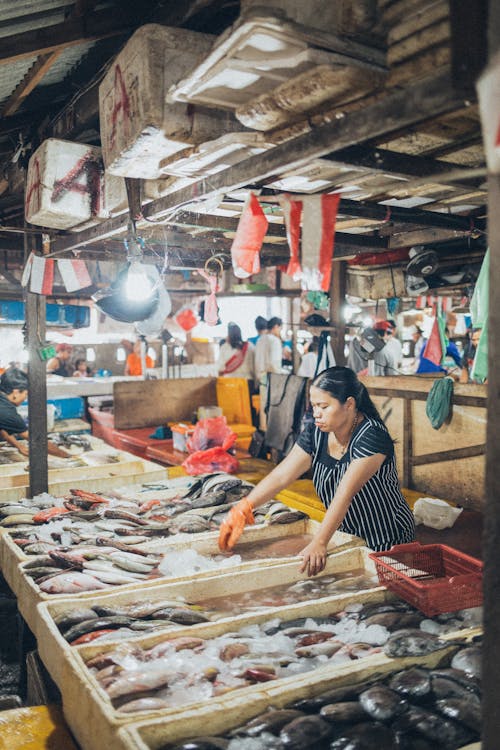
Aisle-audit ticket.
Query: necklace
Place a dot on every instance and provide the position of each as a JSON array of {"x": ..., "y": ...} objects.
[{"x": 343, "y": 447}]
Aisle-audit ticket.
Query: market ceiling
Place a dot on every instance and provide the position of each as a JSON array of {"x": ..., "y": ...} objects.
[{"x": 406, "y": 155}]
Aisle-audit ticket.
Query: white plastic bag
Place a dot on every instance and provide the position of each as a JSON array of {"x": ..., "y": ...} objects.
[{"x": 437, "y": 514}]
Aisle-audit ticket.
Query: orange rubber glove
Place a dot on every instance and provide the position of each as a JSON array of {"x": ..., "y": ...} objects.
[{"x": 232, "y": 527}]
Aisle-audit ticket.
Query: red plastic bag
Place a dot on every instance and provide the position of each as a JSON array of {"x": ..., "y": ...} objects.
[
  {"x": 211, "y": 433},
  {"x": 207, "y": 462},
  {"x": 186, "y": 319},
  {"x": 250, "y": 233}
]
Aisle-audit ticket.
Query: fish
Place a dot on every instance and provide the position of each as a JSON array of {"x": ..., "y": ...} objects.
[
  {"x": 209, "y": 500},
  {"x": 366, "y": 736},
  {"x": 143, "y": 704},
  {"x": 395, "y": 620},
  {"x": 233, "y": 650},
  {"x": 68, "y": 619},
  {"x": 96, "y": 623},
  {"x": 71, "y": 583},
  {"x": 19, "y": 518},
  {"x": 433, "y": 727},
  {"x": 190, "y": 525},
  {"x": 305, "y": 732},
  {"x": 327, "y": 648},
  {"x": 381, "y": 703},
  {"x": 468, "y": 660},
  {"x": 92, "y": 636},
  {"x": 138, "y": 681},
  {"x": 48, "y": 514},
  {"x": 462, "y": 710},
  {"x": 444, "y": 686},
  {"x": 414, "y": 682},
  {"x": 412, "y": 642},
  {"x": 271, "y": 721},
  {"x": 287, "y": 516},
  {"x": 181, "y": 616},
  {"x": 256, "y": 674},
  {"x": 343, "y": 712}
]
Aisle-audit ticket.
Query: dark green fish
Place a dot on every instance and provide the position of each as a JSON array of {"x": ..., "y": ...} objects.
[
  {"x": 271, "y": 721},
  {"x": 304, "y": 732},
  {"x": 381, "y": 703},
  {"x": 412, "y": 683}
]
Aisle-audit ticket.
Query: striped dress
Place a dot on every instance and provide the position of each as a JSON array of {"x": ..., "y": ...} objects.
[{"x": 378, "y": 513}]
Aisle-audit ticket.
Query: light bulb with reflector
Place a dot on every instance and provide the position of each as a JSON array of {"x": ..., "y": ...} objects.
[{"x": 138, "y": 285}]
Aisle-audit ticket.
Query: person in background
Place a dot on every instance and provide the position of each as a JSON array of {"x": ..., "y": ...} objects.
[
  {"x": 418, "y": 346},
  {"x": 310, "y": 359},
  {"x": 260, "y": 327},
  {"x": 128, "y": 346},
  {"x": 351, "y": 455},
  {"x": 383, "y": 362},
  {"x": 82, "y": 370},
  {"x": 13, "y": 391},
  {"x": 393, "y": 346},
  {"x": 469, "y": 354},
  {"x": 59, "y": 365},
  {"x": 276, "y": 345},
  {"x": 133, "y": 365},
  {"x": 236, "y": 357}
]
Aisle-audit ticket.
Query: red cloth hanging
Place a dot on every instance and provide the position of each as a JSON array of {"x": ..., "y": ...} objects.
[{"x": 252, "y": 228}]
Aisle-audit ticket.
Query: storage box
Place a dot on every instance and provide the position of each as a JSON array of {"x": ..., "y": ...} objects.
[
  {"x": 432, "y": 577},
  {"x": 68, "y": 408},
  {"x": 180, "y": 434},
  {"x": 55, "y": 649},
  {"x": 236, "y": 710},
  {"x": 138, "y": 128},
  {"x": 64, "y": 184}
]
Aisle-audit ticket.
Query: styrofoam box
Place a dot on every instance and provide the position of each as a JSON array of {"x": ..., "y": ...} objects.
[
  {"x": 264, "y": 52},
  {"x": 64, "y": 184},
  {"x": 54, "y": 649},
  {"x": 236, "y": 710},
  {"x": 89, "y": 712},
  {"x": 29, "y": 594},
  {"x": 138, "y": 127}
]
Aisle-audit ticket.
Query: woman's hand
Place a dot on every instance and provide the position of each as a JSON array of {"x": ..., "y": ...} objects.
[{"x": 313, "y": 557}]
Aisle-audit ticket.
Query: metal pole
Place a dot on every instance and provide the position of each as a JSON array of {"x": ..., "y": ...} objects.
[
  {"x": 164, "y": 361},
  {"x": 143, "y": 358}
]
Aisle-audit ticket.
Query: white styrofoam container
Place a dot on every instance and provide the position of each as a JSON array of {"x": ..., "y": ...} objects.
[
  {"x": 54, "y": 649},
  {"x": 270, "y": 71},
  {"x": 138, "y": 127},
  {"x": 211, "y": 157},
  {"x": 64, "y": 186}
]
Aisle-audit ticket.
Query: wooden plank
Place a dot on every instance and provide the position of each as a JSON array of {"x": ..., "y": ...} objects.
[
  {"x": 155, "y": 402},
  {"x": 453, "y": 455},
  {"x": 37, "y": 379},
  {"x": 416, "y": 68},
  {"x": 422, "y": 19},
  {"x": 338, "y": 287},
  {"x": 398, "y": 109},
  {"x": 29, "y": 82},
  {"x": 76, "y": 30},
  {"x": 407, "y": 443},
  {"x": 420, "y": 41}
]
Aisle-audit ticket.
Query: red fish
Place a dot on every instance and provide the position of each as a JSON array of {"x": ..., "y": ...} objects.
[
  {"x": 148, "y": 505},
  {"x": 258, "y": 675},
  {"x": 48, "y": 513},
  {"x": 88, "y": 637},
  {"x": 90, "y": 496}
]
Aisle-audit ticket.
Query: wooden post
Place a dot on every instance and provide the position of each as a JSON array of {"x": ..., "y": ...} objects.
[
  {"x": 337, "y": 301},
  {"x": 491, "y": 538},
  {"x": 37, "y": 394}
]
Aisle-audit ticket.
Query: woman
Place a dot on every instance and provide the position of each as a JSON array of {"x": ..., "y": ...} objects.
[
  {"x": 354, "y": 472},
  {"x": 82, "y": 370},
  {"x": 236, "y": 357}
]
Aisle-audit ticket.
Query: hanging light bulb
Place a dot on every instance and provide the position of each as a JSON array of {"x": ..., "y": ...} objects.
[{"x": 139, "y": 286}]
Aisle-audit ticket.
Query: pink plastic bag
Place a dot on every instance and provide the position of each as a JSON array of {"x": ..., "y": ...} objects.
[
  {"x": 211, "y": 433},
  {"x": 206, "y": 462}
]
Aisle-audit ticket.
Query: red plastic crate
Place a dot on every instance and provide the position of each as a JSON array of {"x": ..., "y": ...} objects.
[{"x": 433, "y": 578}]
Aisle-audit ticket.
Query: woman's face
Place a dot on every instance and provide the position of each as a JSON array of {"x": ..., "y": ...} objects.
[{"x": 329, "y": 414}]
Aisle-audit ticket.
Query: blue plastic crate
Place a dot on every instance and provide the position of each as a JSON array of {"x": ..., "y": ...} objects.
[{"x": 68, "y": 408}]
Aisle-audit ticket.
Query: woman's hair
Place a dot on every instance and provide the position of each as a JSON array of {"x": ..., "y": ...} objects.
[
  {"x": 13, "y": 379},
  {"x": 342, "y": 383},
  {"x": 234, "y": 336}
]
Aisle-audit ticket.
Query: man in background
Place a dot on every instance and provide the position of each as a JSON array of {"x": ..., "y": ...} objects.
[
  {"x": 393, "y": 345},
  {"x": 59, "y": 365}
]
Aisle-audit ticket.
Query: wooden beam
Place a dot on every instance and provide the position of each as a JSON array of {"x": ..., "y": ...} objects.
[
  {"x": 75, "y": 30},
  {"x": 454, "y": 454},
  {"x": 32, "y": 78},
  {"x": 469, "y": 43},
  {"x": 394, "y": 164}
]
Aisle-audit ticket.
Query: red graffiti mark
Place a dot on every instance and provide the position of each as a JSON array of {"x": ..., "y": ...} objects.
[
  {"x": 89, "y": 166},
  {"x": 122, "y": 103},
  {"x": 34, "y": 189}
]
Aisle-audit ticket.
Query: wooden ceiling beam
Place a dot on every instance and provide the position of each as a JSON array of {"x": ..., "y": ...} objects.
[
  {"x": 32, "y": 78},
  {"x": 75, "y": 30}
]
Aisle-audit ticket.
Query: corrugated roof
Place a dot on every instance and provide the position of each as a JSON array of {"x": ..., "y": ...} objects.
[
  {"x": 65, "y": 63},
  {"x": 11, "y": 75}
]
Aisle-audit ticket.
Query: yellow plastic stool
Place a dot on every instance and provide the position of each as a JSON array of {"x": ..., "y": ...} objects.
[{"x": 35, "y": 728}]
